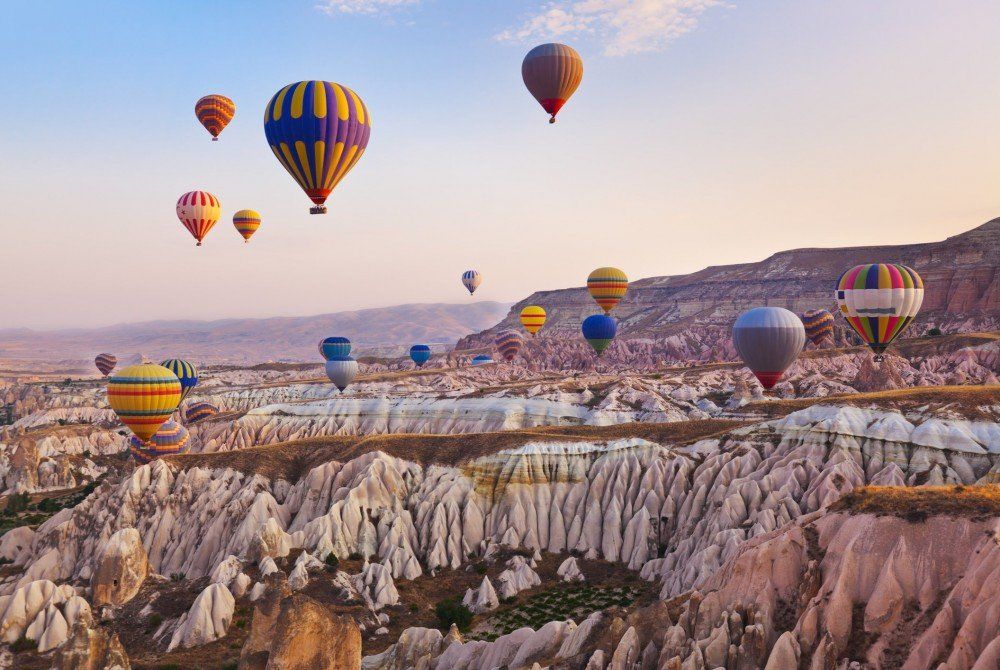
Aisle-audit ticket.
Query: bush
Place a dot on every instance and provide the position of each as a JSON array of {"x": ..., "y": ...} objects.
[
  {"x": 414, "y": 607},
  {"x": 23, "y": 644},
  {"x": 480, "y": 568},
  {"x": 177, "y": 576},
  {"x": 934, "y": 332},
  {"x": 332, "y": 561},
  {"x": 452, "y": 611}
]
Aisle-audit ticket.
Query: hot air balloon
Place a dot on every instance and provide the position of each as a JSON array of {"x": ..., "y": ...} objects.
[
  {"x": 482, "y": 359},
  {"x": 342, "y": 371},
  {"x": 599, "y": 330},
  {"x": 552, "y": 72},
  {"x": 247, "y": 221},
  {"x": 607, "y": 287},
  {"x": 471, "y": 279},
  {"x": 199, "y": 411},
  {"x": 186, "y": 373},
  {"x": 198, "y": 211},
  {"x": 105, "y": 363},
  {"x": 509, "y": 345},
  {"x": 215, "y": 112},
  {"x": 818, "y": 324},
  {"x": 532, "y": 318},
  {"x": 880, "y": 300},
  {"x": 768, "y": 339},
  {"x": 144, "y": 396},
  {"x": 335, "y": 347},
  {"x": 420, "y": 353},
  {"x": 172, "y": 438},
  {"x": 318, "y": 130}
]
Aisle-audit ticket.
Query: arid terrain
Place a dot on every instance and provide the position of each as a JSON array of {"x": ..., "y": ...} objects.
[{"x": 675, "y": 517}]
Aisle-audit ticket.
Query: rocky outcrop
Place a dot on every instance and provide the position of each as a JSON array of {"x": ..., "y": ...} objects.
[
  {"x": 120, "y": 570},
  {"x": 294, "y": 631},
  {"x": 91, "y": 649},
  {"x": 207, "y": 620},
  {"x": 482, "y": 599}
]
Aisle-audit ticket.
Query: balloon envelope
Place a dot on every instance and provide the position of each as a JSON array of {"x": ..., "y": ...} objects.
[
  {"x": 552, "y": 72},
  {"x": 247, "y": 221},
  {"x": 342, "y": 371},
  {"x": 482, "y": 359},
  {"x": 599, "y": 330},
  {"x": 318, "y": 131},
  {"x": 199, "y": 411},
  {"x": 879, "y": 301},
  {"x": 509, "y": 345},
  {"x": 420, "y": 354},
  {"x": 214, "y": 112},
  {"x": 199, "y": 211},
  {"x": 607, "y": 286},
  {"x": 532, "y": 318},
  {"x": 768, "y": 339},
  {"x": 171, "y": 438},
  {"x": 471, "y": 279},
  {"x": 144, "y": 396},
  {"x": 105, "y": 363},
  {"x": 186, "y": 373},
  {"x": 818, "y": 324},
  {"x": 335, "y": 347}
]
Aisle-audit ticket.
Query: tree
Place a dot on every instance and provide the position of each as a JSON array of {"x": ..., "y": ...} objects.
[{"x": 452, "y": 611}]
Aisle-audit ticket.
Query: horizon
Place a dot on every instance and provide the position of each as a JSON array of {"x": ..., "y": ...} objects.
[{"x": 740, "y": 131}]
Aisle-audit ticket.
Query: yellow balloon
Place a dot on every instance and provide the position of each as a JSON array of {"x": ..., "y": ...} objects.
[
  {"x": 144, "y": 396},
  {"x": 532, "y": 318},
  {"x": 607, "y": 287}
]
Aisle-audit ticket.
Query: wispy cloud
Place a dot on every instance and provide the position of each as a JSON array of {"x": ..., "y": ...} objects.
[
  {"x": 623, "y": 26},
  {"x": 365, "y": 7}
]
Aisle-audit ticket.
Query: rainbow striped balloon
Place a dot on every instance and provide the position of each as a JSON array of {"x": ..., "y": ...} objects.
[
  {"x": 818, "y": 324},
  {"x": 509, "y": 345},
  {"x": 199, "y": 211},
  {"x": 172, "y": 438},
  {"x": 607, "y": 287},
  {"x": 247, "y": 221},
  {"x": 879, "y": 300},
  {"x": 144, "y": 396},
  {"x": 318, "y": 131},
  {"x": 532, "y": 318},
  {"x": 199, "y": 411},
  {"x": 214, "y": 112},
  {"x": 186, "y": 373}
]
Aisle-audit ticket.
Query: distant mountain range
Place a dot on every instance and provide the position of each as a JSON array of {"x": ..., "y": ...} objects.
[
  {"x": 689, "y": 317},
  {"x": 387, "y": 331}
]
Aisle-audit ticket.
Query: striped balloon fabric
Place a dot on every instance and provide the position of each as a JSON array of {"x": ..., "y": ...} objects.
[
  {"x": 198, "y": 211},
  {"x": 144, "y": 396},
  {"x": 186, "y": 373},
  {"x": 318, "y": 131},
  {"x": 105, "y": 363},
  {"x": 214, "y": 112},
  {"x": 247, "y": 221},
  {"x": 880, "y": 300},
  {"x": 532, "y": 318},
  {"x": 607, "y": 287},
  {"x": 818, "y": 324},
  {"x": 335, "y": 347},
  {"x": 552, "y": 72},
  {"x": 482, "y": 359},
  {"x": 471, "y": 279},
  {"x": 172, "y": 438},
  {"x": 199, "y": 411},
  {"x": 509, "y": 345}
]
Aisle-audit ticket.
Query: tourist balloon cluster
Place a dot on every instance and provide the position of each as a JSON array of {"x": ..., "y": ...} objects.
[
  {"x": 341, "y": 367},
  {"x": 878, "y": 300}
]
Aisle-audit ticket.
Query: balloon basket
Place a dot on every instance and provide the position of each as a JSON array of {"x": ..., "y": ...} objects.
[
  {"x": 552, "y": 119},
  {"x": 215, "y": 139},
  {"x": 879, "y": 358},
  {"x": 318, "y": 209}
]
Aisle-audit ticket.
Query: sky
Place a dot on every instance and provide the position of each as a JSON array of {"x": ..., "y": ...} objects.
[{"x": 704, "y": 133}]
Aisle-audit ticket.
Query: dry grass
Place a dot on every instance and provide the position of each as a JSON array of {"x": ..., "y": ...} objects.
[
  {"x": 918, "y": 503},
  {"x": 289, "y": 460},
  {"x": 966, "y": 400}
]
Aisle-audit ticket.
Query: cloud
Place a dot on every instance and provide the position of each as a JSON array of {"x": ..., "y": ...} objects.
[
  {"x": 622, "y": 26},
  {"x": 366, "y": 7}
]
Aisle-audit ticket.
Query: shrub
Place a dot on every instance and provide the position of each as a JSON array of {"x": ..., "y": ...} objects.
[
  {"x": 23, "y": 644},
  {"x": 154, "y": 621},
  {"x": 177, "y": 576},
  {"x": 414, "y": 607},
  {"x": 480, "y": 568},
  {"x": 934, "y": 332},
  {"x": 452, "y": 611},
  {"x": 355, "y": 556},
  {"x": 332, "y": 561}
]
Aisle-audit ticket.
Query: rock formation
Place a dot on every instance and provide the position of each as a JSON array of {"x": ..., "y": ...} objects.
[{"x": 120, "y": 570}]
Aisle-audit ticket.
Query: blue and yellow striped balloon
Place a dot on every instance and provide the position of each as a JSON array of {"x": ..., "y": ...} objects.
[
  {"x": 318, "y": 131},
  {"x": 172, "y": 438},
  {"x": 185, "y": 372},
  {"x": 199, "y": 411}
]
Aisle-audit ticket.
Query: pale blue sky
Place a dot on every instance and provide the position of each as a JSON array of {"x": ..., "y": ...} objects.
[{"x": 704, "y": 133}]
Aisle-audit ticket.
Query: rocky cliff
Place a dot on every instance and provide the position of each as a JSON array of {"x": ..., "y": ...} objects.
[{"x": 689, "y": 317}]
